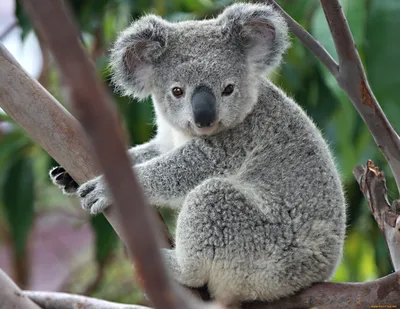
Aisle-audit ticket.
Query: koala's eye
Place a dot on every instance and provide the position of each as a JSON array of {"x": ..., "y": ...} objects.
[
  {"x": 177, "y": 92},
  {"x": 228, "y": 90}
]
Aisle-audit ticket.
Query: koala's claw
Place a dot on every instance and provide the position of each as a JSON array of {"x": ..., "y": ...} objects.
[
  {"x": 63, "y": 180},
  {"x": 86, "y": 190},
  {"x": 56, "y": 171},
  {"x": 94, "y": 196}
]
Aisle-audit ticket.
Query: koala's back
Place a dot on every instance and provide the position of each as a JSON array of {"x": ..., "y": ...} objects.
[{"x": 281, "y": 224}]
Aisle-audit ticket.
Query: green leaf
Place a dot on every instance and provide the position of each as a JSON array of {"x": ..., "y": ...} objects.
[
  {"x": 12, "y": 146},
  {"x": 106, "y": 239},
  {"x": 18, "y": 199}
]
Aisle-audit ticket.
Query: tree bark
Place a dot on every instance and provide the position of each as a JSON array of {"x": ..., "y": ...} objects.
[
  {"x": 96, "y": 111},
  {"x": 11, "y": 297}
]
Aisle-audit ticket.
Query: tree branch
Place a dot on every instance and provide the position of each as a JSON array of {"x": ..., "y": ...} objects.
[
  {"x": 352, "y": 79},
  {"x": 50, "y": 125},
  {"x": 308, "y": 40},
  {"x": 11, "y": 297},
  {"x": 373, "y": 185},
  {"x": 47, "y": 122},
  {"x": 381, "y": 292},
  {"x": 51, "y": 300},
  {"x": 96, "y": 112}
]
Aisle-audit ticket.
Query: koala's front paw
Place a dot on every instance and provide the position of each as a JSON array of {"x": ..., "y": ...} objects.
[
  {"x": 62, "y": 179},
  {"x": 94, "y": 195}
]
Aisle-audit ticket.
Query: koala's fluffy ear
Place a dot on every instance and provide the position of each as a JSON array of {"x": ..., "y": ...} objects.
[
  {"x": 134, "y": 53},
  {"x": 260, "y": 30}
]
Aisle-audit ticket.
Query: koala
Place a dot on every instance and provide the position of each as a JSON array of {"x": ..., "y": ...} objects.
[{"x": 261, "y": 209}]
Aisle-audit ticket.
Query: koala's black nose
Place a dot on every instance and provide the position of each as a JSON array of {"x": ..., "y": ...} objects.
[{"x": 204, "y": 107}]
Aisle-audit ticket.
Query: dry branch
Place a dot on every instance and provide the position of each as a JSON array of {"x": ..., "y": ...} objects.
[
  {"x": 11, "y": 297},
  {"x": 96, "y": 112},
  {"x": 351, "y": 77},
  {"x": 373, "y": 185}
]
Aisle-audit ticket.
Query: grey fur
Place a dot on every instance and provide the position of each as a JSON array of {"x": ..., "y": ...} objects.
[{"x": 261, "y": 207}]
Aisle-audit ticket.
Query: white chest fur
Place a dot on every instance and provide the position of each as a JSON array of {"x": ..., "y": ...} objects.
[{"x": 168, "y": 137}]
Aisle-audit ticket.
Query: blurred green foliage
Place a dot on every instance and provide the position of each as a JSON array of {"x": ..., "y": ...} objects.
[{"x": 23, "y": 166}]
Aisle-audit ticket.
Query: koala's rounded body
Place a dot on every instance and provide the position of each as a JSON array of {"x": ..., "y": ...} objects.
[{"x": 261, "y": 207}]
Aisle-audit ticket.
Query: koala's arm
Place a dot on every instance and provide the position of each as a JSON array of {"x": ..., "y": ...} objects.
[
  {"x": 144, "y": 152},
  {"x": 168, "y": 178},
  {"x": 165, "y": 179},
  {"x": 138, "y": 154}
]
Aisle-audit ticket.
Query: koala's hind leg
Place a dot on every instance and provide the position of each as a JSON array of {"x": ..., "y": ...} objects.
[
  {"x": 215, "y": 237},
  {"x": 186, "y": 272}
]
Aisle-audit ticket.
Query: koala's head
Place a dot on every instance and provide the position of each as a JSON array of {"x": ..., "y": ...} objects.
[{"x": 204, "y": 76}]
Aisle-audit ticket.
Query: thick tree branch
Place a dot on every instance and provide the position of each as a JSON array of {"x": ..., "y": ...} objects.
[
  {"x": 11, "y": 297},
  {"x": 49, "y": 124},
  {"x": 378, "y": 293},
  {"x": 96, "y": 112},
  {"x": 352, "y": 79},
  {"x": 373, "y": 185},
  {"x": 52, "y": 127},
  {"x": 374, "y": 294}
]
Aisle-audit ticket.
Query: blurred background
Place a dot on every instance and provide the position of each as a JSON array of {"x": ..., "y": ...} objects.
[{"x": 47, "y": 242}]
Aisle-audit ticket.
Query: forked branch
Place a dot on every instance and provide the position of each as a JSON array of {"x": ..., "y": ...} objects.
[{"x": 351, "y": 77}]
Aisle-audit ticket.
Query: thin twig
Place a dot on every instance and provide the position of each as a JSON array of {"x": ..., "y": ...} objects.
[
  {"x": 308, "y": 40},
  {"x": 96, "y": 112}
]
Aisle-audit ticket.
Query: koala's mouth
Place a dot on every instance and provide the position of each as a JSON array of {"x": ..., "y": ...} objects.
[{"x": 207, "y": 130}]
